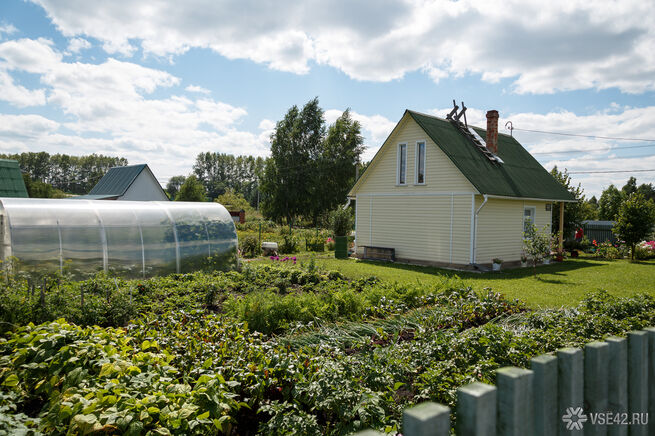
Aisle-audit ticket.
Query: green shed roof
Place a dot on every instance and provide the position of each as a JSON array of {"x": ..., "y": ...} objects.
[
  {"x": 11, "y": 180},
  {"x": 519, "y": 176},
  {"x": 117, "y": 180}
]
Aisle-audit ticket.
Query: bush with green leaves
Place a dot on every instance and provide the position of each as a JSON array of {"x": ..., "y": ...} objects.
[
  {"x": 341, "y": 221},
  {"x": 250, "y": 246}
]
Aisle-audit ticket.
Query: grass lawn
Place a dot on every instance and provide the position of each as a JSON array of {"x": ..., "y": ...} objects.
[{"x": 559, "y": 284}]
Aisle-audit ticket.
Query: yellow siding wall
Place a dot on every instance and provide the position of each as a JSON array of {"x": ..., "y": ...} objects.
[
  {"x": 417, "y": 227},
  {"x": 441, "y": 175},
  {"x": 500, "y": 228}
]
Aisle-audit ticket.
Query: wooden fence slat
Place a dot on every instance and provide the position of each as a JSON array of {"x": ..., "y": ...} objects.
[
  {"x": 617, "y": 388},
  {"x": 426, "y": 419},
  {"x": 545, "y": 414},
  {"x": 637, "y": 379},
  {"x": 514, "y": 407},
  {"x": 570, "y": 383},
  {"x": 596, "y": 355},
  {"x": 476, "y": 410},
  {"x": 651, "y": 379}
]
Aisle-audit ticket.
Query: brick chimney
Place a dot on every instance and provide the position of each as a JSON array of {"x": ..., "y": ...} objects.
[{"x": 492, "y": 131}]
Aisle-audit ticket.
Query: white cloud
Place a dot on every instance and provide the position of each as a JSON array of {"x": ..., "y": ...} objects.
[
  {"x": 7, "y": 29},
  {"x": 198, "y": 89},
  {"x": 25, "y": 126},
  {"x": 541, "y": 46},
  {"x": 110, "y": 109},
  {"x": 18, "y": 95},
  {"x": 75, "y": 45}
]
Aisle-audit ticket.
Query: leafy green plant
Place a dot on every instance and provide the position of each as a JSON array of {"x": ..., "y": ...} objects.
[
  {"x": 341, "y": 221},
  {"x": 289, "y": 244},
  {"x": 635, "y": 220},
  {"x": 250, "y": 246},
  {"x": 536, "y": 244}
]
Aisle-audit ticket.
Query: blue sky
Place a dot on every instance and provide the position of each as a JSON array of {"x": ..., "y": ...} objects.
[{"x": 160, "y": 81}]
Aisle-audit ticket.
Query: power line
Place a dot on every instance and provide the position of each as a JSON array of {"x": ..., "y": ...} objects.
[
  {"x": 617, "y": 138},
  {"x": 592, "y": 149},
  {"x": 609, "y": 171}
]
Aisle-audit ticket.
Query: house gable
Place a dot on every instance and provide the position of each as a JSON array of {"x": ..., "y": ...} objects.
[
  {"x": 441, "y": 175},
  {"x": 145, "y": 187}
]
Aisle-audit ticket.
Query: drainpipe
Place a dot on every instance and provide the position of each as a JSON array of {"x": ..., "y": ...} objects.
[{"x": 475, "y": 224}]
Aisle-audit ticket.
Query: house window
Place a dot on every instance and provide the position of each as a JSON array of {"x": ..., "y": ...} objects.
[
  {"x": 420, "y": 163},
  {"x": 402, "y": 164},
  {"x": 528, "y": 217}
]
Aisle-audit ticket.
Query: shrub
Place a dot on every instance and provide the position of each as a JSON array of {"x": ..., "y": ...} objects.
[
  {"x": 250, "y": 246},
  {"x": 341, "y": 222},
  {"x": 645, "y": 250},
  {"x": 608, "y": 251},
  {"x": 289, "y": 244},
  {"x": 315, "y": 244}
]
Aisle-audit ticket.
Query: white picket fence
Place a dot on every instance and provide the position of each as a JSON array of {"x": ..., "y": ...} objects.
[{"x": 607, "y": 388}]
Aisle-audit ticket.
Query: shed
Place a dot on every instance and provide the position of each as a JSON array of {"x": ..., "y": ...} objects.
[
  {"x": 437, "y": 193},
  {"x": 130, "y": 183},
  {"x": 132, "y": 240},
  {"x": 11, "y": 179}
]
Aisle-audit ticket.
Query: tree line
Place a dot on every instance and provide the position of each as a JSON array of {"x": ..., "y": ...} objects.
[
  {"x": 62, "y": 172},
  {"x": 632, "y": 207}
]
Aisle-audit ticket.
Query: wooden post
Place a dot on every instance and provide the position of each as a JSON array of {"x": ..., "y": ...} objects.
[
  {"x": 514, "y": 402},
  {"x": 476, "y": 410},
  {"x": 560, "y": 249},
  {"x": 546, "y": 416},
  {"x": 426, "y": 419}
]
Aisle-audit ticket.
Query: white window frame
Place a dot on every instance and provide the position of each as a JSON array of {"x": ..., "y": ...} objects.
[
  {"x": 416, "y": 156},
  {"x": 400, "y": 146},
  {"x": 533, "y": 215}
]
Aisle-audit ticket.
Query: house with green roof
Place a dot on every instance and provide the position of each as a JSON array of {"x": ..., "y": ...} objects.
[
  {"x": 442, "y": 193},
  {"x": 11, "y": 179},
  {"x": 129, "y": 183}
]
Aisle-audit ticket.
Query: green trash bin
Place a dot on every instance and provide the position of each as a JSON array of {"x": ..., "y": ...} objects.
[{"x": 341, "y": 247}]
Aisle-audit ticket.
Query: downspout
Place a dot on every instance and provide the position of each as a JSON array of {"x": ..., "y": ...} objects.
[{"x": 475, "y": 225}]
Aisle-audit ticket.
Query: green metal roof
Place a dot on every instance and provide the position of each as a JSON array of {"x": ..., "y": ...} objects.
[
  {"x": 117, "y": 180},
  {"x": 95, "y": 197},
  {"x": 519, "y": 176},
  {"x": 11, "y": 180}
]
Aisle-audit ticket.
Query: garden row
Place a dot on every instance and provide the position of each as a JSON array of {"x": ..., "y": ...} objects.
[{"x": 210, "y": 369}]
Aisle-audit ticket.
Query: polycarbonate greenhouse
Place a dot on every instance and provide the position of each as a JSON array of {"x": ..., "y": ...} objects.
[{"x": 130, "y": 239}]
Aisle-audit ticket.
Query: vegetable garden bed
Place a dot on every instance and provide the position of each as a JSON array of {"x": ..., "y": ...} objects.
[{"x": 272, "y": 349}]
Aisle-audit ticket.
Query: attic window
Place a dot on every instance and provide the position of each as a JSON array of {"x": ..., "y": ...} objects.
[
  {"x": 420, "y": 163},
  {"x": 402, "y": 164}
]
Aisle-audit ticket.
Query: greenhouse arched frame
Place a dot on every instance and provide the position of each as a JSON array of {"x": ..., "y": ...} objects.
[{"x": 130, "y": 239}]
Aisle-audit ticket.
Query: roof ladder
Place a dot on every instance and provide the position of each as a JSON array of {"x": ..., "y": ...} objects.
[{"x": 468, "y": 132}]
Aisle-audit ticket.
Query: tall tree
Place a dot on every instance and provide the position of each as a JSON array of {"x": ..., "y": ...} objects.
[
  {"x": 630, "y": 187},
  {"x": 574, "y": 213},
  {"x": 635, "y": 220},
  {"x": 609, "y": 203},
  {"x": 342, "y": 149},
  {"x": 647, "y": 191},
  {"x": 173, "y": 186},
  {"x": 191, "y": 190},
  {"x": 290, "y": 175}
]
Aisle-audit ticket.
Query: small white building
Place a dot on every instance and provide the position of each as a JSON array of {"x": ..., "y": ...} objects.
[
  {"x": 438, "y": 193},
  {"x": 128, "y": 183}
]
